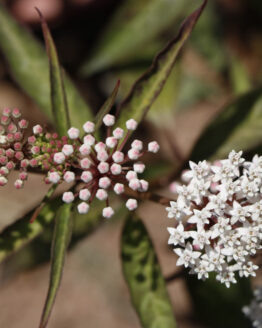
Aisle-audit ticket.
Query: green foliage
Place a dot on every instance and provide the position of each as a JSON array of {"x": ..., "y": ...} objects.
[
  {"x": 238, "y": 126},
  {"x": 133, "y": 28},
  {"x": 148, "y": 87},
  {"x": 144, "y": 278},
  {"x": 62, "y": 234},
  {"x": 58, "y": 96},
  {"x": 28, "y": 64}
]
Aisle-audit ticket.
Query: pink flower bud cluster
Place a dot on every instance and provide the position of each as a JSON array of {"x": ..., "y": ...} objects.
[
  {"x": 218, "y": 215},
  {"x": 99, "y": 167},
  {"x": 12, "y": 146}
]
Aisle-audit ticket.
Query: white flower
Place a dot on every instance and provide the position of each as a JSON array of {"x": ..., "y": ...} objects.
[
  {"x": 187, "y": 256},
  {"x": 177, "y": 235}
]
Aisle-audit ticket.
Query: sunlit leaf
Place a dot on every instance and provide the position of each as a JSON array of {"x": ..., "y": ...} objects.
[
  {"x": 238, "y": 126},
  {"x": 149, "y": 86},
  {"x": 144, "y": 277},
  {"x": 62, "y": 234},
  {"x": 132, "y": 29},
  {"x": 58, "y": 96},
  {"x": 28, "y": 64}
]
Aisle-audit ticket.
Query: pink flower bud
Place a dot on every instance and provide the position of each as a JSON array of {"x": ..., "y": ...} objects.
[
  {"x": 103, "y": 167},
  {"x": 131, "y": 204},
  {"x": 133, "y": 154},
  {"x": 100, "y": 146},
  {"x": 118, "y": 157},
  {"x": 59, "y": 158},
  {"x": 118, "y": 133},
  {"x": 139, "y": 167},
  {"x": 19, "y": 155},
  {"x": 16, "y": 113},
  {"x": 153, "y": 147},
  {"x": 102, "y": 156},
  {"x": 119, "y": 188},
  {"x": 83, "y": 208},
  {"x": 68, "y": 197},
  {"x": 53, "y": 177},
  {"x": 12, "y": 128},
  {"x": 84, "y": 150},
  {"x": 37, "y": 129},
  {"x": 69, "y": 176},
  {"x": 3, "y": 160},
  {"x": 101, "y": 194},
  {"x": 10, "y": 165},
  {"x": 73, "y": 133},
  {"x": 31, "y": 140},
  {"x": 23, "y": 176},
  {"x": 84, "y": 194},
  {"x": 18, "y": 136},
  {"x": 108, "y": 212},
  {"x": 131, "y": 124},
  {"x": 137, "y": 144},
  {"x": 104, "y": 182},
  {"x": 23, "y": 124},
  {"x": 89, "y": 127},
  {"x": 10, "y": 153},
  {"x": 173, "y": 187},
  {"x": 89, "y": 140},
  {"x": 109, "y": 120},
  {"x": 86, "y": 176},
  {"x": 3, "y": 181},
  {"x": 17, "y": 146},
  {"x": 4, "y": 170},
  {"x": 134, "y": 184},
  {"x": 24, "y": 163},
  {"x": 143, "y": 185},
  {"x": 68, "y": 150},
  {"x": 131, "y": 175},
  {"x": 85, "y": 163},
  {"x": 116, "y": 169},
  {"x": 5, "y": 120},
  {"x": 33, "y": 162},
  {"x": 19, "y": 184},
  {"x": 35, "y": 150},
  {"x": 6, "y": 111},
  {"x": 111, "y": 142}
]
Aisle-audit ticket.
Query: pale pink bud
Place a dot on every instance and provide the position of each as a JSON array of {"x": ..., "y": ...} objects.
[
  {"x": 137, "y": 144},
  {"x": 101, "y": 194},
  {"x": 143, "y": 185},
  {"x": 116, "y": 169},
  {"x": 3, "y": 140},
  {"x": 104, "y": 182},
  {"x": 16, "y": 113},
  {"x": 139, "y": 167},
  {"x": 153, "y": 147},
  {"x": 17, "y": 146},
  {"x": 12, "y": 128},
  {"x": 37, "y": 129},
  {"x": 84, "y": 150},
  {"x": 86, "y": 176},
  {"x": 5, "y": 120},
  {"x": 59, "y": 158},
  {"x": 3, "y": 160},
  {"x": 118, "y": 157},
  {"x": 131, "y": 204},
  {"x": 85, "y": 163},
  {"x": 4, "y": 170},
  {"x": 7, "y": 111},
  {"x": 3, "y": 181},
  {"x": 109, "y": 120},
  {"x": 23, "y": 124},
  {"x": 53, "y": 177},
  {"x": 111, "y": 142},
  {"x": 68, "y": 197},
  {"x": 24, "y": 163},
  {"x": 119, "y": 188},
  {"x": 68, "y": 150},
  {"x": 18, "y": 184},
  {"x": 31, "y": 139},
  {"x": 108, "y": 212},
  {"x": 100, "y": 146},
  {"x": 69, "y": 176},
  {"x": 173, "y": 187},
  {"x": 84, "y": 194},
  {"x": 102, "y": 156},
  {"x": 184, "y": 176},
  {"x": 10, "y": 165},
  {"x": 19, "y": 155},
  {"x": 89, "y": 140},
  {"x": 118, "y": 133},
  {"x": 83, "y": 208},
  {"x": 213, "y": 187},
  {"x": 23, "y": 176},
  {"x": 89, "y": 127},
  {"x": 131, "y": 124},
  {"x": 18, "y": 136},
  {"x": 35, "y": 150},
  {"x": 103, "y": 167},
  {"x": 133, "y": 154},
  {"x": 73, "y": 133},
  {"x": 131, "y": 175},
  {"x": 134, "y": 184},
  {"x": 33, "y": 162}
]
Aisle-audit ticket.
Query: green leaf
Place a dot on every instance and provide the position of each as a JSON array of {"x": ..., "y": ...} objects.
[
  {"x": 58, "y": 96},
  {"x": 144, "y": 277},
  {"x": 238, "y": 126},
  {"x": 149, "y": 86},
  {"x": 17, "y": 235},
  {"x": 28, "y": 64},
  {"x": 106, "y": 106},
  {"x": 62, "y": 234},
  {"x": 132, "y": 29}
]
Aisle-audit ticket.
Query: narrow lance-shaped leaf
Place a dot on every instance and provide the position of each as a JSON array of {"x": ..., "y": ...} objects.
[
  {"x": 106, "y": 106},
  {"x": 238, "y": 126},
  {"x": 58, "y": 96},
  {"x": 62, "y": 234},
  {"x": 144, "y": 277},
  {"x": 28, "y": 64},
  {"x": 149, "y": 86}
]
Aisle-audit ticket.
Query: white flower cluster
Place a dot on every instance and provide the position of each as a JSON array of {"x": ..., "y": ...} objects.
[
  {"x": 254, "y": 310},
  {"x": 218, "y": 217}
]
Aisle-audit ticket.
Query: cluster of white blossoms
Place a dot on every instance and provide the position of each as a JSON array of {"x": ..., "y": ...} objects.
[
  {"x": 99, "y": 166},
  {"x": 254, "y": 310},
  {"x": 218, "y": 217}
]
